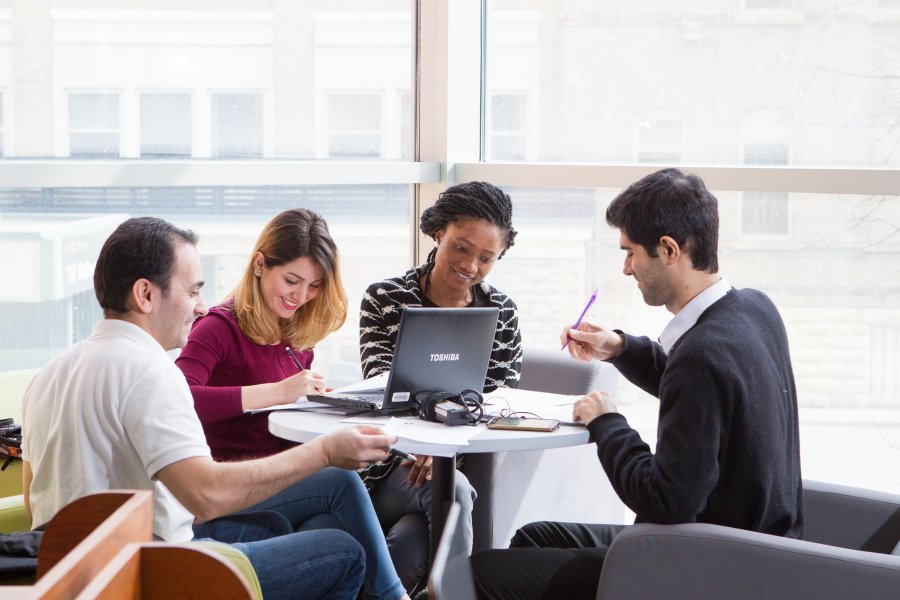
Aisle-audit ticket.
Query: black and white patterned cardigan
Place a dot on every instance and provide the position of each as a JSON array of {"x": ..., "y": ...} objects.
[{"x": 379, "y": 320}]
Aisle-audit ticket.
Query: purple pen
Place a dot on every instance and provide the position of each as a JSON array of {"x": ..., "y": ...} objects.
[{"x": 581, "y": 316}]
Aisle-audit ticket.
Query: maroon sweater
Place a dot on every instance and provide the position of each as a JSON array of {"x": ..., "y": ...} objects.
[{"x": 217, "y": 361}]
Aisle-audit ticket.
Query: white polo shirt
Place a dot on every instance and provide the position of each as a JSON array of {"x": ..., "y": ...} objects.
[{"x": 109, "y": 413}]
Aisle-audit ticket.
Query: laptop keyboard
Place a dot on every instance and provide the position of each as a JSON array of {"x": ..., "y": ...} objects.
[{"x": 362, "y": 401}]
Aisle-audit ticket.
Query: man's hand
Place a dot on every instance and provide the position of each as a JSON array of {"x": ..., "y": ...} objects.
[
  {"x": 355, "y": 447},
  {"x": 592, "y": 406},
  {"x": 592, "y": 341},
  {"x": 420, "y": 470}
]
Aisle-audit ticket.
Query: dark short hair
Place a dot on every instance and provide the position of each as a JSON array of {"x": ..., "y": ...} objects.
[
  {"x": 670, "y": 203},
  {"x": 472, "y": 200},
  {"x": 139, "y": 248}
]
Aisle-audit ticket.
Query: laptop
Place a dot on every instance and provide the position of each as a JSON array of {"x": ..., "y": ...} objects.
[{"x": 437, "y": 349}]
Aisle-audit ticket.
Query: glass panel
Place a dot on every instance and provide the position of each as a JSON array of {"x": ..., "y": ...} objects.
[
  {"x": 660, "y": 140},
  {"x": 93, "y": 124},
  {"x": 768, "y": 4},
  {"x": 166, "y": 124},
  {"x": 508, "y": 127},
  {"x": 51, "y": 238},
  {"x": 289, "y": 55},
  {"x": 765, "y": 213},
  {"x": 884, "y": 379},
  {"x": 237, "y": 125},
  {"x": 406, "y": 125},
  {"x": 834, "y": 279},
  {"x": 593, "y": 69},
  {"x": 354, "y": 125},
  {"x": 2, "y": 122}
]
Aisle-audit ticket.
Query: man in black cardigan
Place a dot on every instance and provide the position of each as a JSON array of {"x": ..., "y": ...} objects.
[{"x": 727, "y": 449}]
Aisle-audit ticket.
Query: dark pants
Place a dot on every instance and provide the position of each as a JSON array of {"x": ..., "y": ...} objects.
[{"x": 545, "y": 560}]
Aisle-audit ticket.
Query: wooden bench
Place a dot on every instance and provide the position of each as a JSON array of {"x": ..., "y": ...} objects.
[{"x": 99, "y": 546}]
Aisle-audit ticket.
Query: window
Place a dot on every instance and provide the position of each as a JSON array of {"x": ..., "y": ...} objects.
[
  {"x": 590, "y": 79},
  {"x": 52, "y": 304},
  {"x": 660, "y": 141},
  {"x": 94, "y": 124},
  {"x": 765, "y": 213},
  {"x": 191, "y": 79},
  {"x": 509, "y": 127},
  {"x": 237, "y": 125},
  {"x": 609, "y": 65},
  {"x": 354, "y": 125},
  {"x": 165, "y": 124}
]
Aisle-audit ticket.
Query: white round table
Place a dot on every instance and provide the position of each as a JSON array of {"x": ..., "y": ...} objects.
[{"x": 303, "y": 426}]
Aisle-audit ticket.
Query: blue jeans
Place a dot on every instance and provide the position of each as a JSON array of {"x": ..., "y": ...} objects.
[{"x": 332, "y": 499}]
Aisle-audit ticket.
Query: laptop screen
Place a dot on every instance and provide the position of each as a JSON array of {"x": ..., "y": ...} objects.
[{"x": 440, "y": 350}]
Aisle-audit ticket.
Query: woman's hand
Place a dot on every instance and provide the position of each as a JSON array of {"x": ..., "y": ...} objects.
[
  {"x": 419, "y": 470},
  {"x": 286, "y": 391},
  {"x": 301, "y": 384}
]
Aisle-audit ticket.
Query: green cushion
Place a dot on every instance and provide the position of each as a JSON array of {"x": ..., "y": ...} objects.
[
  {"x": 12, "y": 389},
  {"x": 239, "y": 560},
  {"x": 12, "y": 514},
  {"x": 11, "y": 478}
]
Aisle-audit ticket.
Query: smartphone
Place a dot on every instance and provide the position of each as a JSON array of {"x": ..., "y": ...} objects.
[{"x": 524, "y": 424}]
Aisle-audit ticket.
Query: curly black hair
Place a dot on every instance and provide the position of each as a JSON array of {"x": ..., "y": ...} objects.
[{"x": 472, "y": 200}]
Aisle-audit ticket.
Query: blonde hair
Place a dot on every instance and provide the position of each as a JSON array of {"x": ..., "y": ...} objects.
[{"x": 293, "y": 234}]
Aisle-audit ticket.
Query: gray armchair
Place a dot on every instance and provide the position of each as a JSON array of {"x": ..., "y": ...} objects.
[
  {"x": 515, "y": 488},
  {"x": 848, "y": 535}
]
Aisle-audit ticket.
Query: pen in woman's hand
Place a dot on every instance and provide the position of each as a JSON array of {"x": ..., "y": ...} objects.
[{"x": 293, "y": 357}]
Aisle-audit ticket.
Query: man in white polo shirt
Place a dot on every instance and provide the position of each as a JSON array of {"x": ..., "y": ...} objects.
[{"x": 113, "y": 411}]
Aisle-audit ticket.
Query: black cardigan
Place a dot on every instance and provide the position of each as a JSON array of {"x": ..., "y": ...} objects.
[{"x": 727, "y": 449}]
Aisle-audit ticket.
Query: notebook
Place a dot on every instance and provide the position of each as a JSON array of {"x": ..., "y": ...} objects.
[{"x": 437, "y": 349}]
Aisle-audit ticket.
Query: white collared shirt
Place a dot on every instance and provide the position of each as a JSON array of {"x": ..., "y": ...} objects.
[
  {"x": 687, "y": 316},
  {"x": 109, "y": 413}
]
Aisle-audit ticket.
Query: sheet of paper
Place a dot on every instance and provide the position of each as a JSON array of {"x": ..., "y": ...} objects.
[
  {"x": 539, "y": 404},
  {"x": 379, "y": 382},
  {"x": 434, "y": 439}
]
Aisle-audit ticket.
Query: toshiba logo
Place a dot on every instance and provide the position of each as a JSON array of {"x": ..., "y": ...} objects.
[{"x": 444, "y": 357}]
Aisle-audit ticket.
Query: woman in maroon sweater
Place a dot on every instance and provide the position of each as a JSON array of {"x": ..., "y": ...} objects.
[{"x": 236, "y": 358}]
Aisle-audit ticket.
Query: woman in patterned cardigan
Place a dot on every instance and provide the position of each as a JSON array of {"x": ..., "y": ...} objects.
[{"x": 471, "y": 225}]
